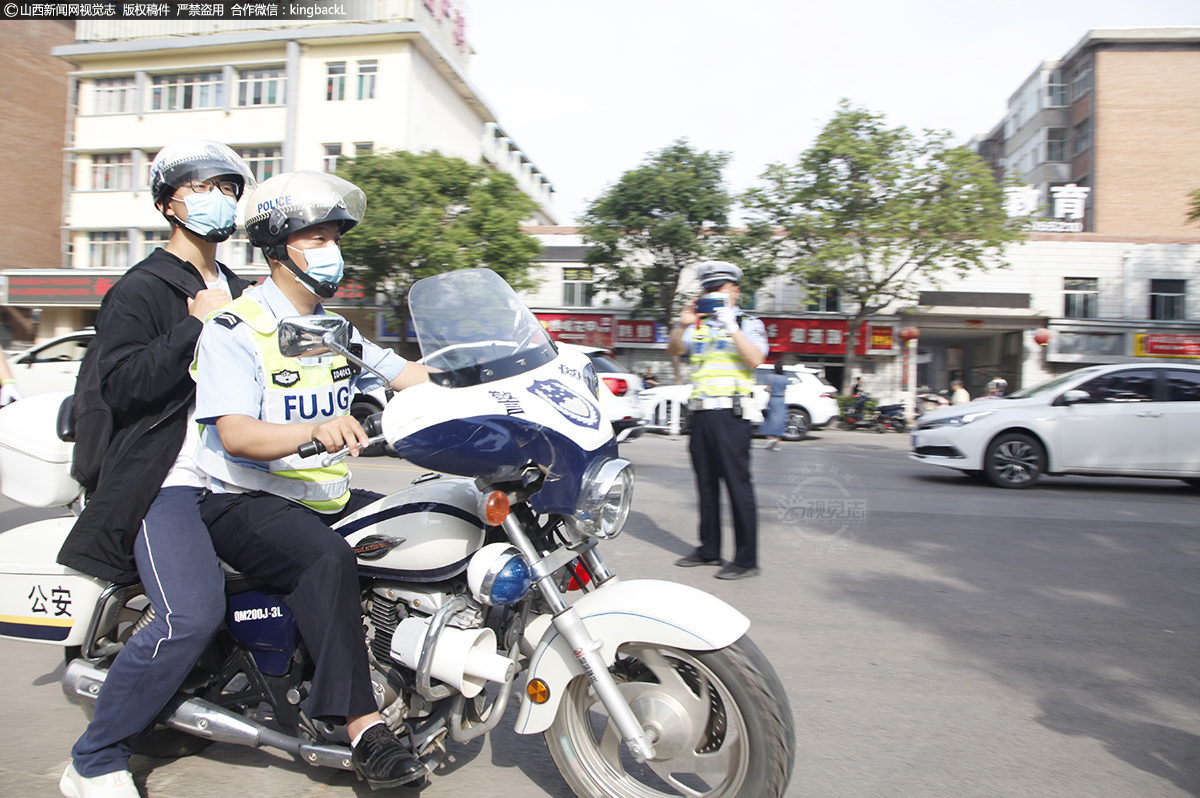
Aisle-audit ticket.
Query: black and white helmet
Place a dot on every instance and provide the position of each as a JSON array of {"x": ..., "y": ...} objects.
[
  {"x": 293, "y": 201},
  {"x": 998, "y": 385},
  {"x": 713, "y": 274},
  {"x": 196, "y": 159}
]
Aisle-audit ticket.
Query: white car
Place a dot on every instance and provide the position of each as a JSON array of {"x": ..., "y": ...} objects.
[
  {"x": 1130, "y": 420},
  {"x": 620, "y": 392},
  {"x": 50, "y": 366},
  {"x": 811, "y": 401}
]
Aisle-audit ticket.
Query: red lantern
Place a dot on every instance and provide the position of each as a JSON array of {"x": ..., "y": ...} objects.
[
  {"x": 910, "y": 333},
  {"x": 1042, "y": 336}
]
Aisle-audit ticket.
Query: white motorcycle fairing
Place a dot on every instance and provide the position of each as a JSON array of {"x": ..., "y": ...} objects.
[
  {"x": 549, "y": 415},
  {"x": 640, "y": 610},
  {"x": 40, "y": 600}
]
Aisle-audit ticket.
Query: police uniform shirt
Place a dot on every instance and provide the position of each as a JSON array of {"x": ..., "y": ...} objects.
[{"x": 230, "y": 382}]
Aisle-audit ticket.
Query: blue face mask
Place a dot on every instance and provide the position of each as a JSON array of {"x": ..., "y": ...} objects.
[
  {"x": 212, "y": 216},
  {"x": 325, "y": 264}
]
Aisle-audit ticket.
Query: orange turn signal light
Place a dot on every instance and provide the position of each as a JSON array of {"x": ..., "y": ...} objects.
[
  {"x": 496, "y": 508},
  {"x": 538, "y": 691}
]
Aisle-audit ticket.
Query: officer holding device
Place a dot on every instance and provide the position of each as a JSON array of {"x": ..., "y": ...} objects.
[{"x": 725, "y": 345}]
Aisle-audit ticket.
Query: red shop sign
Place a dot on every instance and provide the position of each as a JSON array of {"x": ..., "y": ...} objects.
[
  {"x": 585, "y": 329},
  {"x": 826, "y": 337}
]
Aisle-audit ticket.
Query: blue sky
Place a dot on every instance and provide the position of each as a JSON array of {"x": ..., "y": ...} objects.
[{"x": 588, "y": 88}]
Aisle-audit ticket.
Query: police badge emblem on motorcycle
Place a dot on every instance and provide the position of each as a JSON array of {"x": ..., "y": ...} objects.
[{"x": 574, "y": 407}]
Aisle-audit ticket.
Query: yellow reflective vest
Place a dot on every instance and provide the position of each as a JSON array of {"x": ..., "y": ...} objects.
[{"x": 721, "y": 372}]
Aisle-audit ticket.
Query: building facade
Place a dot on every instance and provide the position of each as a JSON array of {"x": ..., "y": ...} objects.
[{"x": 284, "y": 94}]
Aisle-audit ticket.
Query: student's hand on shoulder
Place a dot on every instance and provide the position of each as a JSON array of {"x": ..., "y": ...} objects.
[
  {"x": 340, "y": 433},
  {"x": 206, "y": 301}
]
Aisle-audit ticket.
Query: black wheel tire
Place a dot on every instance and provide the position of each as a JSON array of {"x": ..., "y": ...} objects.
[
  {"x": 1014, "y": 460},
  {"x": 168, "y": 744},
  {"x": 362, "y": 411},
  {"x": 796, "y": 426},
  {"x": 900, "y": 425},
  {"x": 844, "y": 424},
  {"x": 1195, "y": 483},
  {"x": 744, "y": 693}
]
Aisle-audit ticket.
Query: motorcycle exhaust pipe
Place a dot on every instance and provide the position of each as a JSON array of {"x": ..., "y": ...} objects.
[{"x": 82, "y": 681}]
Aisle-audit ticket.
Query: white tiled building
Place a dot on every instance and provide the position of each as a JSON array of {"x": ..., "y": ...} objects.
[{"x": 284, "y": 95}]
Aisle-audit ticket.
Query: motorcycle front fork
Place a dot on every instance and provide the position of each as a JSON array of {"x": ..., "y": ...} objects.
[{"x": 586, "y": 648}]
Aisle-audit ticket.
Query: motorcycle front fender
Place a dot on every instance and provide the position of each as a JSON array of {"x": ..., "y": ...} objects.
[{"x": 638, "y": 611}]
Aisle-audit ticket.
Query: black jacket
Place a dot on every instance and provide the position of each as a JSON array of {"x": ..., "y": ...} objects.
[{"x": 146, "y": 341}]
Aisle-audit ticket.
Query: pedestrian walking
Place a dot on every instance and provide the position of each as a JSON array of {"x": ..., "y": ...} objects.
[
  {"x": 726, "y": 346},
  {"x": 776, "y": 420}
]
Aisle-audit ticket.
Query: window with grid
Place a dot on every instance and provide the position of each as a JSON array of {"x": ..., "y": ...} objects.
[
  {"x": 367, "y": 71},
  {"x": 330, "y": 161},
  {"x": 823, "y": 299},
  {"x": 238, "y": 253},
  {"x": 1167, "y": 299},
  {"x": 153, "y": 239},
  {"x": 264, "y": 162},
  {"x": 335, "y": 80},
  {"x": 1056, "y": 90},
  {"x": 1056, "y": 144},
  {"x": 1082, "y": 138},
  {"x": 364, "y": 148},
  {"x": 578, "y": 287},
  {"x": 115, "y": 95},
  {"x": 1081, "y": 295},
  {"x": 261, "y": 86},
  {"x": 1082, "y": 83},
  {"x": 108, "y": 249},
  {"x": 112, "y": 171},
  {"x": 185, "y": 92}
]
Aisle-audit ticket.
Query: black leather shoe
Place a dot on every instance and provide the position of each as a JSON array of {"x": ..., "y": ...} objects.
[
  {"x": 738, "y": 572},
  {"x": 695, "y": 559},
  {"x": 383, "y": 760}
]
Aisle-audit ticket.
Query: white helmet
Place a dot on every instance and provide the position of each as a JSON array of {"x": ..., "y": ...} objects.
[
  {"x": 713, "y": 274},
  {"x": 196, "y": 159},
  {"x": 998, "y": 385},
  {"x": 293, "y": 201}
]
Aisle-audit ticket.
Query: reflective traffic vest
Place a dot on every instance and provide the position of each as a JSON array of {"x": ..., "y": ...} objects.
[
  {"x": 722, "y": 371},
  {"x": 294, "y": 393}
]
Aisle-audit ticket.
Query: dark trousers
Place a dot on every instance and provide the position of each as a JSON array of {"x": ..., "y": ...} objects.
[
  {"x": 292, "y": 548},
  {"x": 720, "y": 448},
  {"x": 184, "y": 583}
]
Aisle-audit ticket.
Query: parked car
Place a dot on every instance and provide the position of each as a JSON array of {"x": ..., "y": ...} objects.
[
  {"x": 811, "y": 400},
  {"x": 1130, "y": 420},
  {"x": 620, "y": 392},
  {"x": 50, "y": 366}
]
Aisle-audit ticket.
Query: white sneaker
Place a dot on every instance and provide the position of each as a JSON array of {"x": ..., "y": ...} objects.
[{"x": 118, "y": 784}]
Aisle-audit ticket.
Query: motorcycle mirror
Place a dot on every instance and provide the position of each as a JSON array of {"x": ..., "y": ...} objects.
[{"x": 308, "y": 336}]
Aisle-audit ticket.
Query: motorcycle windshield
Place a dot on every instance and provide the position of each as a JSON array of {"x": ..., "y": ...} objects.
[{"x": 472, "y": 329}]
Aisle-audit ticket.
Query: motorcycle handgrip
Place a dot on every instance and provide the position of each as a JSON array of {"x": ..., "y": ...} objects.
[
  {"x": 309, "y": 449},
  {"x": 373, "y": 426}
]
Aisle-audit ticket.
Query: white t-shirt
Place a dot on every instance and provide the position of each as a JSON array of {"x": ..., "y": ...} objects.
[{"x": 185, "y": 472}]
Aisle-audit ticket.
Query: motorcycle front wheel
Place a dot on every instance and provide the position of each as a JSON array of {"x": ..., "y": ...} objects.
[{"x": 719, "y": 720}]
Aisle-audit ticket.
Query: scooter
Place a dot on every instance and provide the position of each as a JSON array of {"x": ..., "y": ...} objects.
[
  {"x": 481, "y": 580},
  {"x": 890, "y": 417},
  {"x": 858, "y": 415}
]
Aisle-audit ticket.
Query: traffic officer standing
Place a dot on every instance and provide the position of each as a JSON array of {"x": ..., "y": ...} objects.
[{"x": 726, "y": 346}]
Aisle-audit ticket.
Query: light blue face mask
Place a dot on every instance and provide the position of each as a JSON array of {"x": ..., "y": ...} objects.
[
  {"x": 325, "y": 265},
  {"x": 212, "y": 216}
]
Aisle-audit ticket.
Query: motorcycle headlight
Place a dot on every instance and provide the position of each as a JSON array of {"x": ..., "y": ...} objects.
[
  {"x": 498, "y": 574},
  {"x": 604, "y": 499}
]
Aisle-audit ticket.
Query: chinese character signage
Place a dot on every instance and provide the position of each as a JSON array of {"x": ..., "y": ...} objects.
[
  {"x": 585, "y": 329},
  {"x": 826, "y": 337},
  {"x": 639, "y": 331},
  {"x": 1154, "y": 345},
  {"x": 1066, "y": 215}
]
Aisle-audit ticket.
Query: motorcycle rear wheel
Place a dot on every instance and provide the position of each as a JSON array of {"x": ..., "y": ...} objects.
[{"x": 723, "y": 725}]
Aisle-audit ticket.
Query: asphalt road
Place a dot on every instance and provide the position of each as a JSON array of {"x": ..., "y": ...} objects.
[{"x": 936, "y": 637}]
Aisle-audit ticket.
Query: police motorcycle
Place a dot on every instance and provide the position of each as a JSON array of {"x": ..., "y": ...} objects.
[{"x": 481, "y": 580}]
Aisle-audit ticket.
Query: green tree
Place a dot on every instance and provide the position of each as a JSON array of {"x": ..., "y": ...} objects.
[
  {"x": 429, "y": 213},
  {"x": 1194, "y": 209},
  {"x": 657, "y": 219},
  {"x": 878, "y": 212}
]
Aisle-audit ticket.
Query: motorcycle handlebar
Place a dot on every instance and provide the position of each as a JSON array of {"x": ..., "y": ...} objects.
[{"x": 373, "y": 426}]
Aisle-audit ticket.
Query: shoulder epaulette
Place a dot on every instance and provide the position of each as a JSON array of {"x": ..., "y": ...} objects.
[{"x": 227, "y": 320}]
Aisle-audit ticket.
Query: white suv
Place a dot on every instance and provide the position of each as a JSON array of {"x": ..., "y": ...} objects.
[
  {"x": 811, "y": 401},
  {"x": 1131, "y": 420}
]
